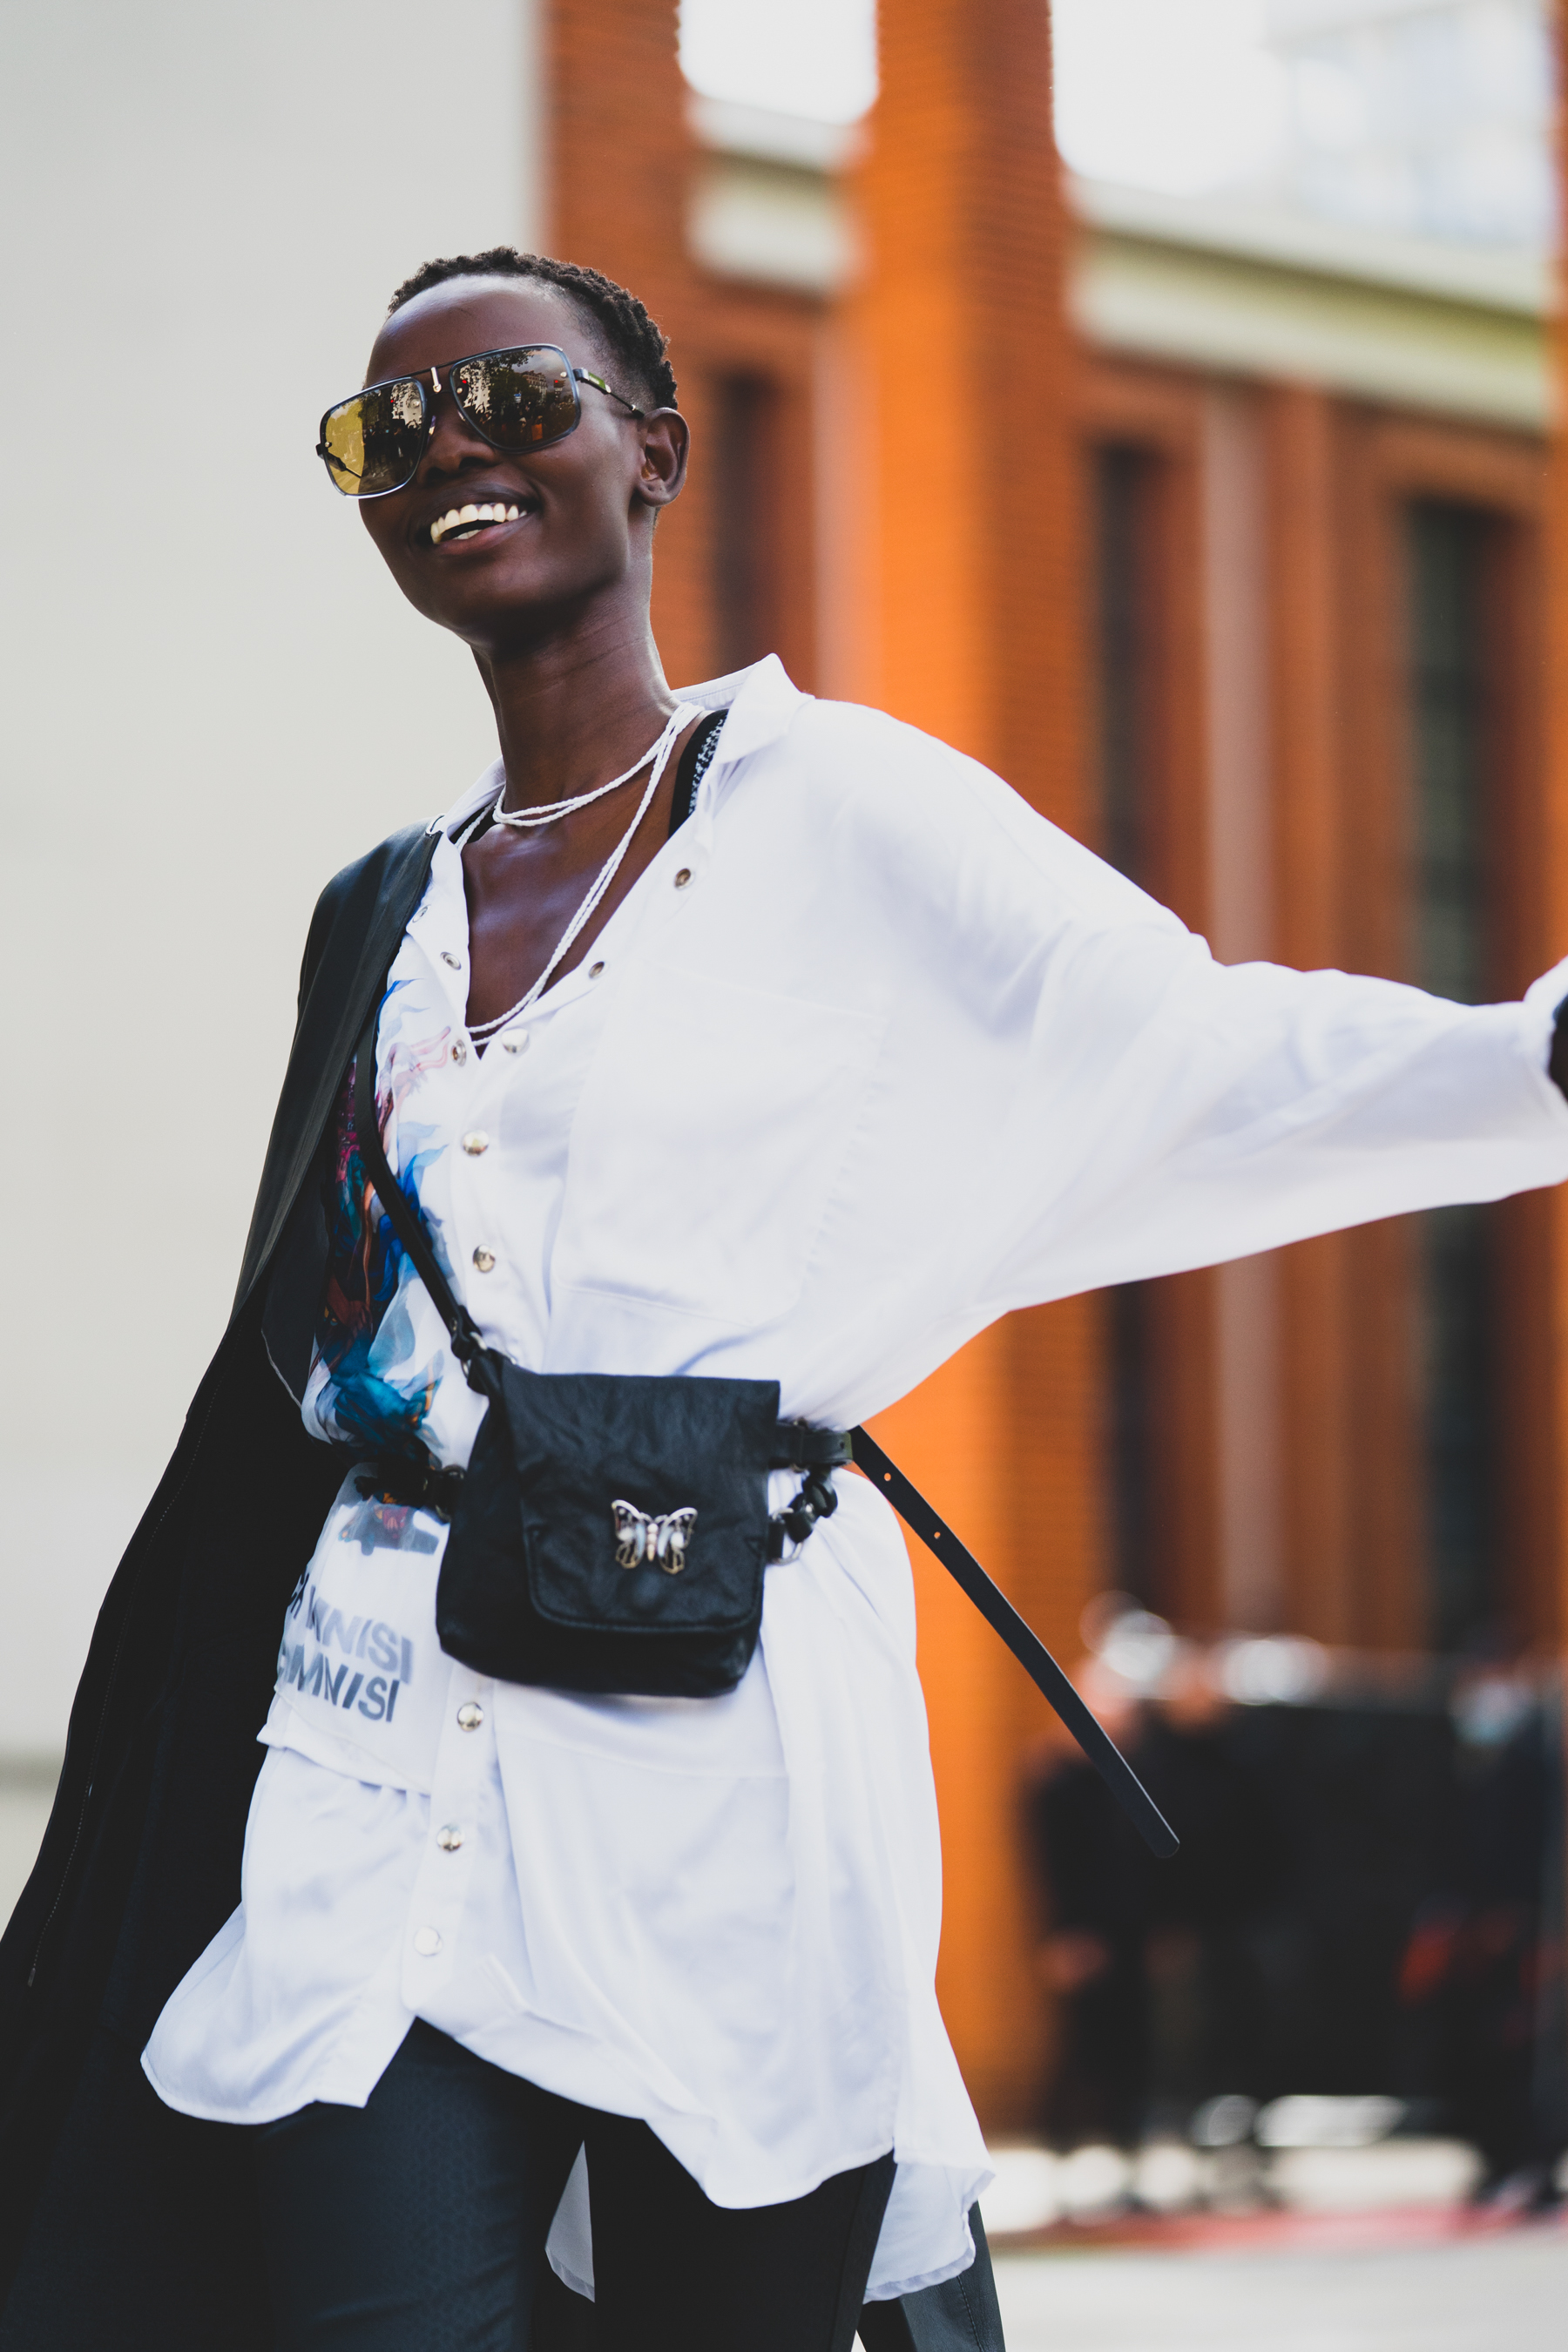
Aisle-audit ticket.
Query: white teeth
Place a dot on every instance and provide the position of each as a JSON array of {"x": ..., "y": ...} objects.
[{"x": 463, "y": 518}]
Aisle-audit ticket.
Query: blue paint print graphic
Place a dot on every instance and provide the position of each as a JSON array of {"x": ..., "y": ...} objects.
[{"x": 376, "y": 1393}]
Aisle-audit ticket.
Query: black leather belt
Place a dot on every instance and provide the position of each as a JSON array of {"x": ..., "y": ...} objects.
[
  {"x": 420, "y": 1484},
  {"x": 424, "y": 1485}
]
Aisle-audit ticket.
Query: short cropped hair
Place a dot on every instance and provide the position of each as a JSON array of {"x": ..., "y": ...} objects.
[{"x": 634, "y": 341}]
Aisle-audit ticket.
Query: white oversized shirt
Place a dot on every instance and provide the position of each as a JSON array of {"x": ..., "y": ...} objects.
[{"x": 870, "y": 1055}]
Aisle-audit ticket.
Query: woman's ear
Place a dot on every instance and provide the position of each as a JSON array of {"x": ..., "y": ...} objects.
[{"x": 666, "y": 447}]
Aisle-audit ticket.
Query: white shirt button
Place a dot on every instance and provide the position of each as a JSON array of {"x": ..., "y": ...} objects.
[
  {"x": 449, "y": 1837},
  {"x": 427, "y": 1943},
  {"x": 459, "y": 1051},
  {"x": 470, "y": 1715},
  {"x": 683, "y": 877},
  {"x": 456, "y": 962},
  {"x": 475, "y": 1141},
  {"x": 594, "y": 969},
  {"x": 484, "y": 1259},
  {"x": 517, "y": 1045}
]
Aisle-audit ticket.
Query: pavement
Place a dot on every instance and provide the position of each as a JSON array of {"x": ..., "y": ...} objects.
[
  {"x": 1327, "y": 2249},
  {"x": 1502, "y": 2292}
]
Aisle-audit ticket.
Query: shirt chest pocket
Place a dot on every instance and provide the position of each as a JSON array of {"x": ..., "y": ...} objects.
[{"x": 707, "y": 1141}]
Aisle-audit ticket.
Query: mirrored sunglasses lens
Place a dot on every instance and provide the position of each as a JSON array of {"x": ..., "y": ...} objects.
[
  {"x": 519, "y": 399},
  {"x": 373, "y": 441}
]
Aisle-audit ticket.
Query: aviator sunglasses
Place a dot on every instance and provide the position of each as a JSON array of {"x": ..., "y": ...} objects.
[{"x": 520, "y": 399}]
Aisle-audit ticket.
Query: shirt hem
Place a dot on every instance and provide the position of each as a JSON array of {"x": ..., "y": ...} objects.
[
  {"x": 926, "y": 2279},
  {"x": 203, "y": 2112}
]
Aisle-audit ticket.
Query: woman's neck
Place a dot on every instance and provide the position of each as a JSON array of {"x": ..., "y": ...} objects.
[{"x": 575, "y": 709}]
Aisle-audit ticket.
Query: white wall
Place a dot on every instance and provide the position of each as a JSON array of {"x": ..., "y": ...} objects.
[{"x": 211, "y": 696}]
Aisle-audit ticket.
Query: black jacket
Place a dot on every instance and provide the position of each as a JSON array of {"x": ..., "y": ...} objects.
[{"x": 120, "y": 2224}]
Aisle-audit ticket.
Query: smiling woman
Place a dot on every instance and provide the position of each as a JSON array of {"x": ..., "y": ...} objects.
[
  {"x": 689, "y": 1087},
  {"x": 499, "y": 499}
]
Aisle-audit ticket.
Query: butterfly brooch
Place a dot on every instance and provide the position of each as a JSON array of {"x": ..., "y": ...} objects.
[{"x": 650, "y": 1538}]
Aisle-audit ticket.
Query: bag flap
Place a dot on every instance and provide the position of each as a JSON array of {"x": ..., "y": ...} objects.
[{"x": 643, "y": 1500}]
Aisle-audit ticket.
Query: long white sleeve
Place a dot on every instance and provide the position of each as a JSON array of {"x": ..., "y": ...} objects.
[{"x": 1081, "y": 1094}]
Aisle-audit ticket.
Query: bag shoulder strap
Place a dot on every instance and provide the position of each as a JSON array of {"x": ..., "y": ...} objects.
[
  {"x": 934, "y": 1531},
  {"x": 700, "y": 746},
  {"x": 468, "y": 1344},
  {"x": 1023, "y": 1641}
]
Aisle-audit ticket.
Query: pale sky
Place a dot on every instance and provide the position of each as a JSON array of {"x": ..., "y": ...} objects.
[
  {"x": 802, "y": 57},
  {"x": 1174, "y": 93},
  {"x": 1177, "y": 94}
]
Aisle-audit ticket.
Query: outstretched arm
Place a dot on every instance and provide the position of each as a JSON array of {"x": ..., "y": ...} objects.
[
  {"x": 1230, "y": 1109},
  {"x": 1557, "y": 1061}
]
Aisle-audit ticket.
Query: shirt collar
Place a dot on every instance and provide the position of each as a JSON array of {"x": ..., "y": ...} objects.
[
  {"x": 762, "y": 699},
  {"x": 762, "y": 702}
]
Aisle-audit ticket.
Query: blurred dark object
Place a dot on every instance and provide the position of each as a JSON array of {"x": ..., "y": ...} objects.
[
  {"x": 1100, "y": 1899},
  {"x": 1482, "y": 1975},
  {"x": 1148, "y": 1958},
  {"x": 1358, "y": 1794},
  {"x": 1366, "y": 1900}
]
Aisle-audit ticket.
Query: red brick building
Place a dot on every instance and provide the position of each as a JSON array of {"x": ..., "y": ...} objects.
[{"x": 1228, "y": 553}]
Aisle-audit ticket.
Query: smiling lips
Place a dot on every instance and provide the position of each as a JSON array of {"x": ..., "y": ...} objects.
[{"x": 467, "y": 523}]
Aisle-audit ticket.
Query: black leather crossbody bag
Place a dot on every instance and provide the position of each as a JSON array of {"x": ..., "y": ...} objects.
[{"x": 611, "y": 1531}]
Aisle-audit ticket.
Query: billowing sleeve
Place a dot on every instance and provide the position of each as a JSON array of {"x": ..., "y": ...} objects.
[
  {"x": 1125, "y": 1106},
  {"x": 1225, "y": 1110}
]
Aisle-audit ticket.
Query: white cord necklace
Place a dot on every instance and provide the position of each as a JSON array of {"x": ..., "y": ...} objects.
[
  {"x": 547, "y": 812},
  {"x": 678, "y": 717}
]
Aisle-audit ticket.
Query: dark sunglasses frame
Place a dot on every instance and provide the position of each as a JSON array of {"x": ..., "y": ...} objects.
[{"x": 430, "y": 393}]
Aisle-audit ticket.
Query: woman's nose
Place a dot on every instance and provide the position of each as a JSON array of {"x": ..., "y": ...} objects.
[{"x": 453, "y": 441}]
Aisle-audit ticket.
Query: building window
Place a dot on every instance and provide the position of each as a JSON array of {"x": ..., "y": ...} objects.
[
  {"x": 745, "y": 550},
  {"x": 1449, "y": 553},
  {"x": 1122, "y": 529},
  {"x": 1121, "y": 489}
]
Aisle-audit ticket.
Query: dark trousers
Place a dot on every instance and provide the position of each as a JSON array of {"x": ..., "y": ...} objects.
[
  {"x": 417, "y": 2223},
  {"x": 961, "y": 2315}
]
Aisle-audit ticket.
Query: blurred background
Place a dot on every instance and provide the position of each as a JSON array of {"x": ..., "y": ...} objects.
[{"x": 1237, "y": 549}]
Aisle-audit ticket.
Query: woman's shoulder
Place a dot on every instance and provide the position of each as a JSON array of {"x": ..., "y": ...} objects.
[
  {"x": 367, "y": 896},
  {"x": 914, "y": 780},
  {"x": 869, "y": 741},
  {"x": 853, "y": 749},
  {"x": 907, "y": 799},
  {"x": 364, "y": 878},
  {"x": 849, "y": 760}
]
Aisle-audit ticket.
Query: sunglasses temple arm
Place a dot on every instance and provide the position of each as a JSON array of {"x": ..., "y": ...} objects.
[{"x": 584, "y": 376}]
